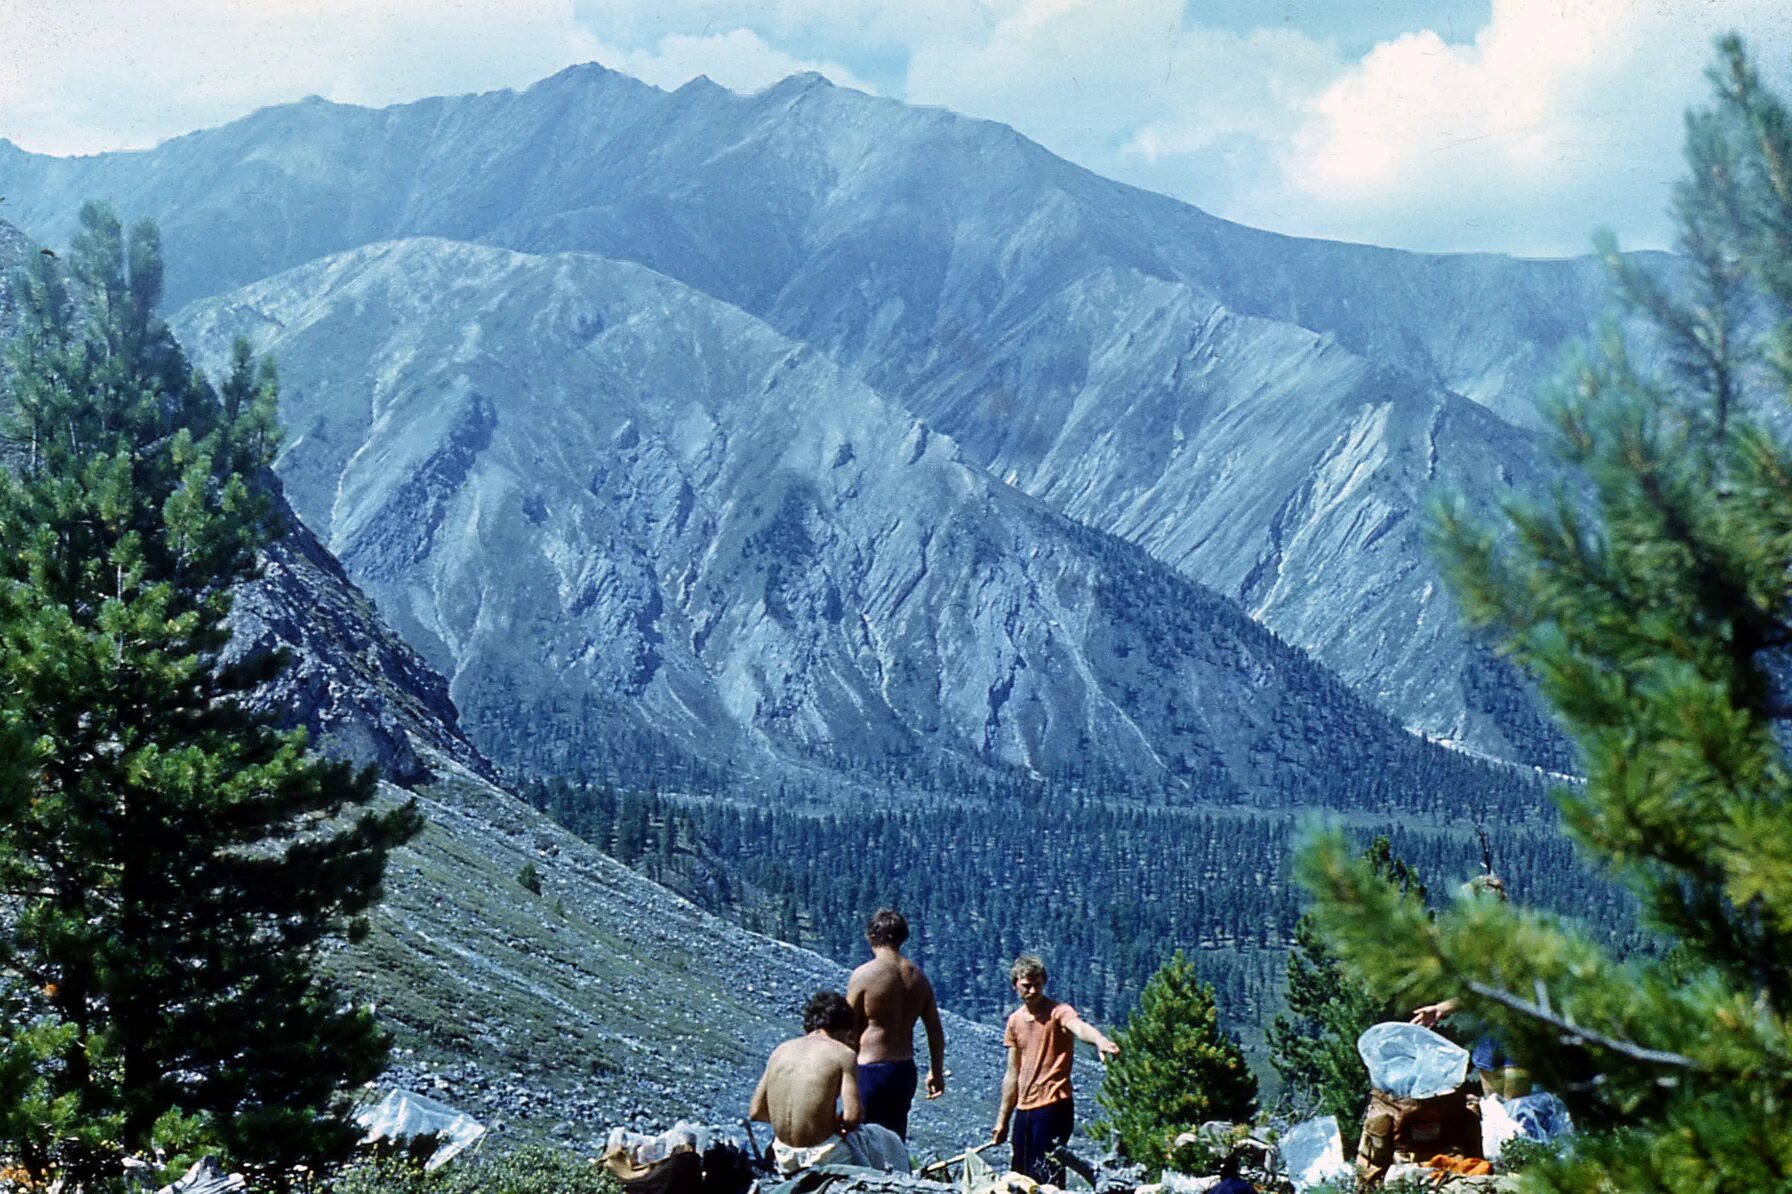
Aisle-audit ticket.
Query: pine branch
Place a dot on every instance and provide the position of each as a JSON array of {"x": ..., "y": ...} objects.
[{"x": 1574, "y": 1033}]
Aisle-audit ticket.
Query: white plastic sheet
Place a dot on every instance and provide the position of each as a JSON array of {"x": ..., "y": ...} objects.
[
  {"x": 1313, "y": 1153},
  {"x": 1410, "y": 1062},
  {"x": 402, "y": 1115},
  {"x": 1541, "y": 1116},
  {"x": 1497, "y": 1127}
]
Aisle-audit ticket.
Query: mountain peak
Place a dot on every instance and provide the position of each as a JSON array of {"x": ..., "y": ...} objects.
[
  {"x": 591, "y": 68},
  {"x": 800, "y": 84},
  {"x": 697, "y": 84},
  {"x": 588, "y": 74}
]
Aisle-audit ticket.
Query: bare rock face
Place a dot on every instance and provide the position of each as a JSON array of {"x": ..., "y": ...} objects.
[
  {"x": 1270, "y": 416},
  {"x": 627, "y": 518},
  {"x": 358, "y": 689}
]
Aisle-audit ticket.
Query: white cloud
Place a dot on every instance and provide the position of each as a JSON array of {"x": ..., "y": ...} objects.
[
  {"x": 739, "y": 59},
  {"x": 849, "y": 24},
  {"x": 1554, "y": 118},
  {"x": 1136, "y": 93},
  {"x": 79, "y": 76}
]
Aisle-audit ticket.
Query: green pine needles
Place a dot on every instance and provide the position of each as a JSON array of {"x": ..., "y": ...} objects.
[
  {"x": 1176, "y": 1068},
  {"x": 171, "y": 865},
  {"x": 1653, "y": 602}
]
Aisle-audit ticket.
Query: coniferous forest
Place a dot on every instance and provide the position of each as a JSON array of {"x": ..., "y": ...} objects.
[{"x": 1104, "y": 891}]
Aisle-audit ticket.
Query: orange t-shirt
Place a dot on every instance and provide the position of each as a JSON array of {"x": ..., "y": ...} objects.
[{"x": 1046, "y": 1050}]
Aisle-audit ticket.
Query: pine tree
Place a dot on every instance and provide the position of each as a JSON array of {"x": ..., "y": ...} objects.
[
  {"x": 1313, "y": 1044},
  {"x": 173, "y": 865},
  {"x": 1176, "y": 1069},
  {"x": 1652, "y": 600}
]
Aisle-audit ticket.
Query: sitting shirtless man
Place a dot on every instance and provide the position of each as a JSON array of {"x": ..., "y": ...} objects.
[
  {"x": 809, "y": 1094},
  {"x": 890, "y": 993}
]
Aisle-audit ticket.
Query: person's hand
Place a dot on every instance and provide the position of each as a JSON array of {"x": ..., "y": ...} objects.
[
  {"x": 1000, "y": 1134},
  {"x": 936, "y": 1085},
  {"x": 1431, "y": 1013},
  {"x": 1107, "y": 1049}
]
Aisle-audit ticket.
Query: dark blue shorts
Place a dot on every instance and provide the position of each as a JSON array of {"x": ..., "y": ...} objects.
[
  {"x": 886, "y": 1088},
  {"x": 1037, "y": 1134}
]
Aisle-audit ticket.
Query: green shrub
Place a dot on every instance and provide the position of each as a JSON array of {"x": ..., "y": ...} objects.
[
  {"x": 536, "y": 1169},
  {"x": 387, "y": 1175},
  {"x": 1176, "y": 1069},
  {"x": 1522, "y": 1152}
]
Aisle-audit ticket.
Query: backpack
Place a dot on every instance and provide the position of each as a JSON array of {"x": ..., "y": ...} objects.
[{"x": 1416, "y": 1129}]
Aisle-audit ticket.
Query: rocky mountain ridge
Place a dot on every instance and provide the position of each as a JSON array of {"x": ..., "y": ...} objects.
[
  {"x": 614, "y": 509},
  {"x": 1266, "y": 414}
]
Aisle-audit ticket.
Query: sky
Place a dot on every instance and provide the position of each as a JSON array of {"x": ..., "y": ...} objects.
[{"x": 1516, "y": 126}]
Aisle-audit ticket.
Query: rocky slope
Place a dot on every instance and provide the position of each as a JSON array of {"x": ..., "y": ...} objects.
[
  {"x": 603, "y": 999},
  {"x": 617, "y": 511},
  {"x": 1268, "y": 415}
]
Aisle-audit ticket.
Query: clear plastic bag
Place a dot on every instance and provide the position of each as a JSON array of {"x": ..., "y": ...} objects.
[
  {"x": 1542, "y": 1116},
  {"x": 1410, "y": 1062},
  {"x": 1313, "y": 1153}
]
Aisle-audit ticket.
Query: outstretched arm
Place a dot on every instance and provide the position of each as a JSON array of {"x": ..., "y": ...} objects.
[
  {"x": 1086, "y": 1032},
  {"x": 1431, "y": 1013}
]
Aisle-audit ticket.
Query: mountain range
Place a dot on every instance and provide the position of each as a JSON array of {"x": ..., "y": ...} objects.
[
  {"x": 618, "y": 511},
  {"x": 1267, "y": 416}
]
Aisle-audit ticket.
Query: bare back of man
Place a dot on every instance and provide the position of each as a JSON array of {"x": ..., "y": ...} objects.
[
  {"x": 889, "y": 993},
  {"x": 797, "y": 1093}
]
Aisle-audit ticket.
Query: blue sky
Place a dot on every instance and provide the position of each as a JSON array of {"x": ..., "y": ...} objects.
[{"x": 1508, "y": 125}]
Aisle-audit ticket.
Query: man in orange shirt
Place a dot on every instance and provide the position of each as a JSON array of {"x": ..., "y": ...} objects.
[{"x": 1041, "y": 1039}]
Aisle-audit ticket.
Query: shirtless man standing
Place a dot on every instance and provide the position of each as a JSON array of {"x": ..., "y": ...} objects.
[
  {"x": 889, "y": 993},
  {"x": 809, "y": 1094}
]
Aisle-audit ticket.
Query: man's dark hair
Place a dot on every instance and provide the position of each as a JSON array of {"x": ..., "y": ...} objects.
[
  {"x": 828, "y": 1011},
  {"x": 886, "y": 927}
]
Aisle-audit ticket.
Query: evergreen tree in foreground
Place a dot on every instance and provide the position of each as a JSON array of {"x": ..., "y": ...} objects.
[
  {"x": 1176, "y": 1069},
  {"x": 1313, "y": 1044},
  {"x": 172, "y": 865},
  {"x": 1654, "y": 607}
]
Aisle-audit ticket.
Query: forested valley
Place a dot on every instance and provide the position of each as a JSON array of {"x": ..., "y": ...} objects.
[{"x": 1104, "y": 890}]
